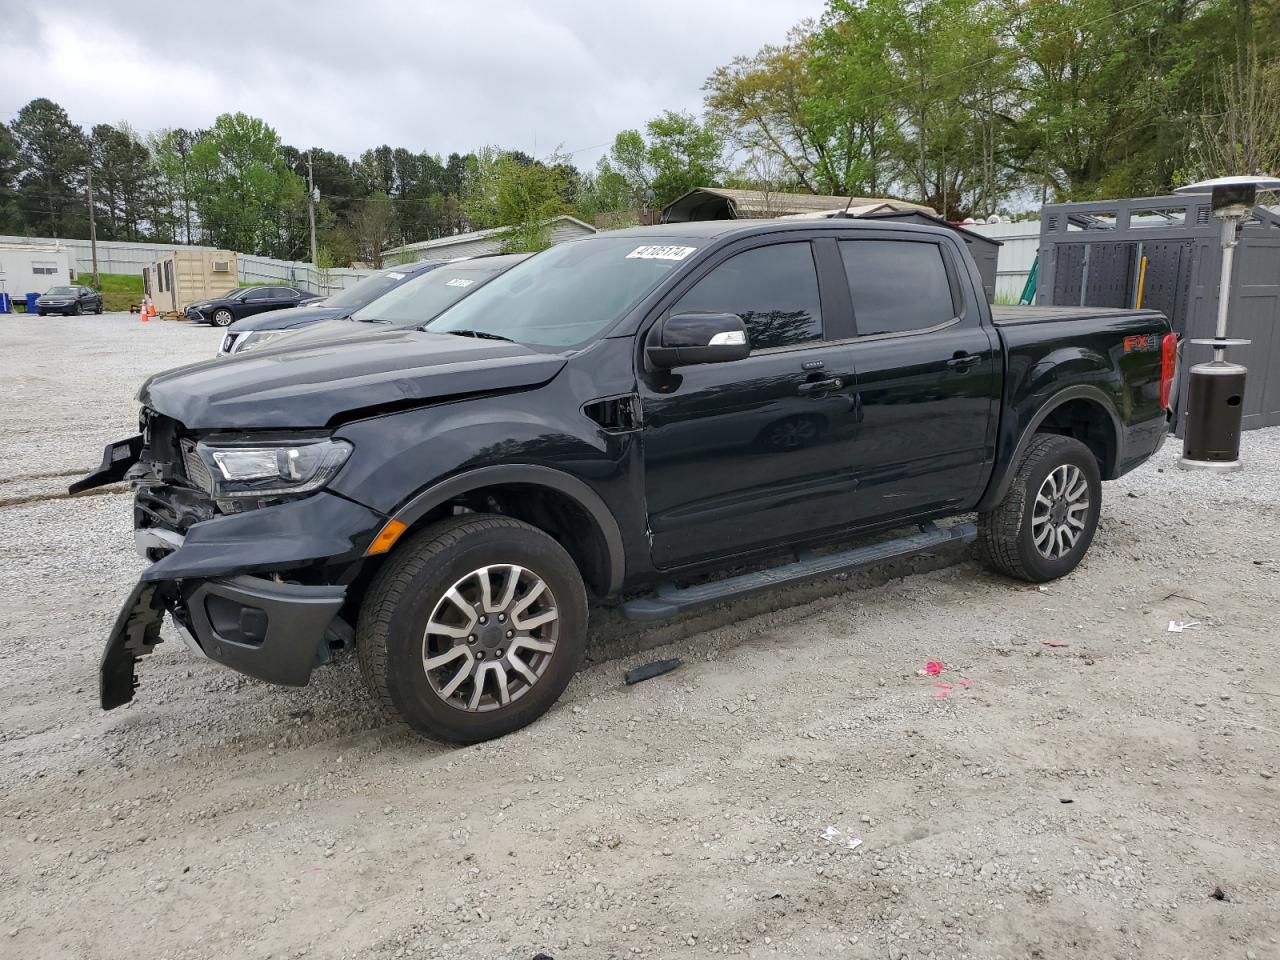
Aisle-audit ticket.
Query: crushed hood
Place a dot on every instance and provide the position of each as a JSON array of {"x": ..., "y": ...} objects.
[{"x": 317, "y": 385}]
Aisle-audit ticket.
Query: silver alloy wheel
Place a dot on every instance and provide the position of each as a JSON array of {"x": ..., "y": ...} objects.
[
  {"x": 490, "y": 638},
  {"x": 1061, "y": 508},
  {"x": 222, "y": 318}
]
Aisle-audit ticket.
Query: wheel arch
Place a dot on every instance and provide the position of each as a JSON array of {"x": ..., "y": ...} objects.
[
  {"x": 1084, "y": 412},
  {"x": 555, "y": 502}
]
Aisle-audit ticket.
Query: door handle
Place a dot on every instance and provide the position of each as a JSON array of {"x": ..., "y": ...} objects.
[
  {"x": 961, "y": 362},
  {"x": 821, "y": 386}
]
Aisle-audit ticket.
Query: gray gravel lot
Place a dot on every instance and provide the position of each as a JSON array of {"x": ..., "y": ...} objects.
[{"x": 686, "y": 816}]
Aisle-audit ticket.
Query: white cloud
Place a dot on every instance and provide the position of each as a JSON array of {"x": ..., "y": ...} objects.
[{"x": 435, "y": 76}]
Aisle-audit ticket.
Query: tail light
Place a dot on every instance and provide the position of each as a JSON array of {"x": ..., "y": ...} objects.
[{"x": 1168, "y": 365}]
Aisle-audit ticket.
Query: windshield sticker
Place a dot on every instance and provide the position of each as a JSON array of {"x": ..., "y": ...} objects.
[
  {"x": 395, "y": 276},
  {"x": 660, "y": 253},
  {"x": 459, "y": 282}
]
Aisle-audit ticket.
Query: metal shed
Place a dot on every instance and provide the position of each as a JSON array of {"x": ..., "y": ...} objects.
[{"x": 1091, "y": 254}]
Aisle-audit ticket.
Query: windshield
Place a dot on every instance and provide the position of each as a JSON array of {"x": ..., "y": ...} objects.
[
  {"x": 230, "y": 293},
  {"x": 366, "y": 291},
  {"x": 61, "y": 291},
  {"x": 421, "y": 299},
  {"x": 565, "y": 296}
]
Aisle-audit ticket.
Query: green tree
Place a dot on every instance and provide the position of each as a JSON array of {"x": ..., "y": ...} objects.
[
  {"x": 763, "y": 101},
  {"x": 246, "y": 195},
  {"x": 175, "y": 182},
  {"x": 684, "y": 153},
  {"x": 520, "y": 196},
  {"x": 677, "y": 153},
  {"x": 371, "y": 226},
  {"x": 52, "y": 156},
  {"x": 10, "y": 217},
  {"x": 124, "y": 180}
]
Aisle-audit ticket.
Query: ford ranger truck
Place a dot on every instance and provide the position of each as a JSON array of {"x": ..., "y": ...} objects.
[{"x": 634, "y": 418}]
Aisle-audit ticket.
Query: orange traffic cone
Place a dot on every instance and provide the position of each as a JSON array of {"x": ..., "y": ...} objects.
[
  {"x": 151, "y": 307},
  {"x": 145, "y": 309}
]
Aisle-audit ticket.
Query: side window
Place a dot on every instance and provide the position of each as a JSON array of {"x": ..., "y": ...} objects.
[
  {"x": 168, "y": 274},
  {"x": 896, "y": 285},
  {"x": 258, "y": 294},
  {"x": 773, "y": 289}
]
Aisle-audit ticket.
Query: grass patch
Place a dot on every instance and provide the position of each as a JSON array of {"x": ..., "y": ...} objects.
[
  {"x": 113, "y": 282},
  {"x": 120, "y": 291}
]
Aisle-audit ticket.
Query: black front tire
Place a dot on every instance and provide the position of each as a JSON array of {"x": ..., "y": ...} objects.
[
  {"x": 223, "y": 318},
  {"x": 393, "y": 618},
  {"x": 77, "y": 310},
  {"x": 98, "y": 310},
  {"x": 1006, "y": 535}
]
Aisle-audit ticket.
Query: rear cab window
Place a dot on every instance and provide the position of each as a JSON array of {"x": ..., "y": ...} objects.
[{"x": 897, "y": 286}]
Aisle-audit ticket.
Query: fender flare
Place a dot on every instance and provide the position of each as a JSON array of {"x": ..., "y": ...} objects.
[
  {"x": 995, "y": 493},
  {"x": 531, "y": 475}
]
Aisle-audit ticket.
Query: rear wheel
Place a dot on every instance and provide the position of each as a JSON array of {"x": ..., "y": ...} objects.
[
  {"x": 1043, "y": 527},
  {"x": 473, "y": 628}
]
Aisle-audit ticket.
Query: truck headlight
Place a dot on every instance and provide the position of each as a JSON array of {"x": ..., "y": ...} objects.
[
  {"x": 258, "y": 338},
  {"x": 271, "y": 469}
]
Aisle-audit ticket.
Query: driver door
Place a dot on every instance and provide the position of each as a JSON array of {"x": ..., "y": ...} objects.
[{"x": 742, "y": 454}]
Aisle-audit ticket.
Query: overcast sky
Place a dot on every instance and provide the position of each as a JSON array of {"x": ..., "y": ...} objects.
[{"x": 422, "y": 74}]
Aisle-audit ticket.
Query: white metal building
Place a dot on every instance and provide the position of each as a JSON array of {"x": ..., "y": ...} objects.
[
  {"x": 480, "y": 242},
  {"x": 33, "y": 267},
  {"x": 1020, "y": 242}
]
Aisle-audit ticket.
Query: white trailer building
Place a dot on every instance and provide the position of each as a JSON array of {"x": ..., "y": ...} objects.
[{"x": 34, "y": 268}]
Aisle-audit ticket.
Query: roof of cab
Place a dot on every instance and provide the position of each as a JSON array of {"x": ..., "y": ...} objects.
[{"x": 718, "y": 229}]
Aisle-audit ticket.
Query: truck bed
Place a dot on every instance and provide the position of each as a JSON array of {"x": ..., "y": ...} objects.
[{"x": 1011, "y": 315}]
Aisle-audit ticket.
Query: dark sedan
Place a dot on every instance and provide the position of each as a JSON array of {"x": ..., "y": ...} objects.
[
  {"x": 258, "y": 330},
  {"x": 69, "y": 301},
  {"x": 245, "y": 302},
  {"x": 411, "y": 304}
]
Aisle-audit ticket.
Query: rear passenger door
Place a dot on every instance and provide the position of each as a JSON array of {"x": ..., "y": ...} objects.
[
  {"x": 928, "y": 378},
  {"x": 745, "y": 454}
]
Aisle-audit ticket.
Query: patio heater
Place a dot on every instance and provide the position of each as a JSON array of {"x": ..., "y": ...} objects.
[{"x": 1215, "y": 390}]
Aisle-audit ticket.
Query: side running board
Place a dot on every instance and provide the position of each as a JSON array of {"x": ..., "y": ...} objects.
[{"x": 670, "y": 600}]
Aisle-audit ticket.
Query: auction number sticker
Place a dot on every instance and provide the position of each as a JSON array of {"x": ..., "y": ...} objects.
[
  {"x": 459, "y": 282},
  {"x": 395, "y": 276},
  {"x": 660, "y": 253}
]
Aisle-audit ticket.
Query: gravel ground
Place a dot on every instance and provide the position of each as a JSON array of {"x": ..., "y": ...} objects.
[{"x": 1090, "y": 780}]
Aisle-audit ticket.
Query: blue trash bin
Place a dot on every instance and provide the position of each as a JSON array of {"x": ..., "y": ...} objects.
[
  {"x": 31, "y": 302},
  {"x": 6, "y": 303}
]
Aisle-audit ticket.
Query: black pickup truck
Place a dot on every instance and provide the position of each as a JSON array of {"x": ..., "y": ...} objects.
[{"x": 626, "y": 417}]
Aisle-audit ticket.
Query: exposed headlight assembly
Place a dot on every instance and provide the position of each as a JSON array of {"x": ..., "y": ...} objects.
[{"x": 271, "y": 469}]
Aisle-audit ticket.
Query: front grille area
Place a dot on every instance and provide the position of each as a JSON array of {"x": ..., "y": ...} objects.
[
  {"x": 197, "y": 474},
  {"x": 171, "y": 482}
]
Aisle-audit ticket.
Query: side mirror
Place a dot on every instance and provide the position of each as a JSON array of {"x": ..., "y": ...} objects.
[{"x": 684, "y": 339}]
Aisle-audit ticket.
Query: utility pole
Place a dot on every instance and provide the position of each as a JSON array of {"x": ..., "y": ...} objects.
[
  {"x": 311, "y": 209},
  {"x": 93, "y": 228}
]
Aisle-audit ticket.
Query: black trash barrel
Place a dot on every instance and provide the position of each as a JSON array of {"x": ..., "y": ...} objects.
[{"x": 1215, "y": 407}]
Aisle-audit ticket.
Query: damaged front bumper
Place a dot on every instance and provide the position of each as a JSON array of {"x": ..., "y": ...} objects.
[
  {"x": 272, "y": 631},
  {"x": 258, "y": 591}
]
